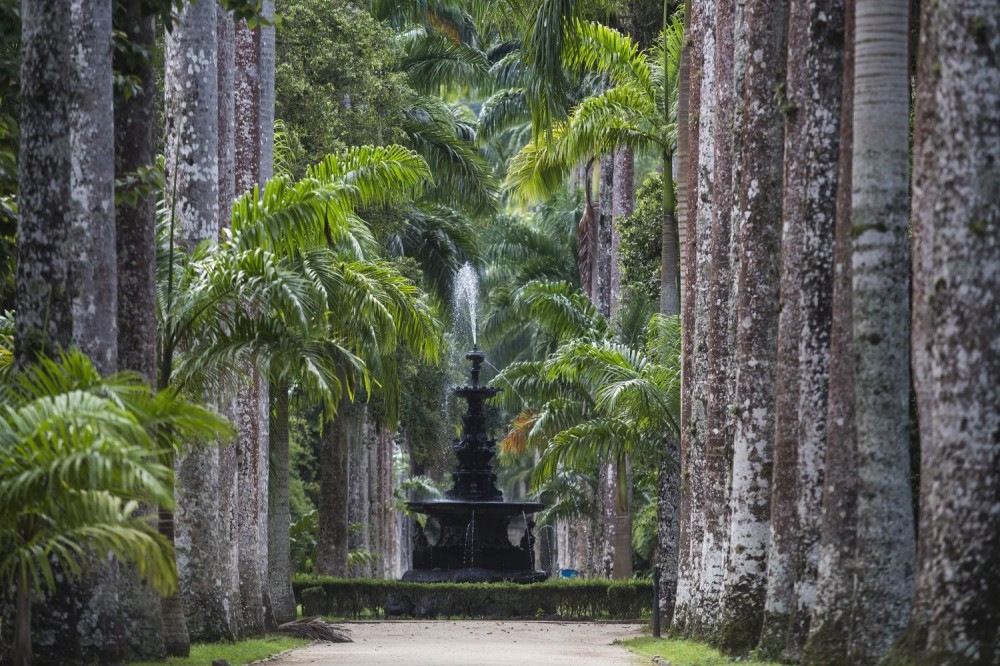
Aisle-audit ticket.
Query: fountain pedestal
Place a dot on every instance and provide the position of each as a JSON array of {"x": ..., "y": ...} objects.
[{"x": 465, "y": 537}]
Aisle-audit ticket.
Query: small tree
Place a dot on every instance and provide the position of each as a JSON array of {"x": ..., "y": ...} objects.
[{"x": 78, "y": 456}]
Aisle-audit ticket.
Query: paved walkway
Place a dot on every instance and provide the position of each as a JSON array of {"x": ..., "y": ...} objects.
[{"x": 474, "y": 643}]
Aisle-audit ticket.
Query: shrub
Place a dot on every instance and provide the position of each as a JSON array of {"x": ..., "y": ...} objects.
[{"x": 565, "y": 599}]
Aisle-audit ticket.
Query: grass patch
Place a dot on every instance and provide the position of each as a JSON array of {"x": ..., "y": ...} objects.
[
  {"x": 237, "y": 654},
  {"x": 684, "y": 653}
]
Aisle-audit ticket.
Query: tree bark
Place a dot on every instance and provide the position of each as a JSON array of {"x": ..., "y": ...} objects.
[
  {"x": 880, "y": 305},
  {"x": 956, "y": 354},
  {"x": 720, "y": 334},
  {"x": 358, "y": 492},
  {"x": 690, "y": 531},
  {"x": 191, "y": 92},
  {"x": 698, "y": 288},
  {"x": 759, "y": 209},
  {"x": 92, "y": 233},
  {"x": 622, "y": 193},
  {"x": 252, "y": 400},
  {"x": 251, "y": 467},
  {"x": 229, "y": 486},
  {"x": 604, "y": 556},
  {"x": 135, "y": 243},
  {"x": 830, "y": 624},
  {"x": 44, "y": 320},
  {"x": 331, "y": 556},
  {"x": 267, "y": 55},
  {"x": 815, "y": 79},
  {"x": 278, "y": 516}
]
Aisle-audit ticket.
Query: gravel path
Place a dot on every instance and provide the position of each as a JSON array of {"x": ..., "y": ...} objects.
[{"x": 474, "y": 643}]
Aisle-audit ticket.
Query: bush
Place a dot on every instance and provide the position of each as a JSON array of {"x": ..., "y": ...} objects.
[{"x": 585, "y": 599}]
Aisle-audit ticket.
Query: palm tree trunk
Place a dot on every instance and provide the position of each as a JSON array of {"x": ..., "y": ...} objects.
[
  {"x": 759, "y": 211},
  {"x": 252, "y": 401},
  {"x": 251, "y": 444},
  {"x": 720, "y": 334},
  {"x": 812, "y": 146},
  {"x": 44, "y": 304},
  {"x": 698, "y": 176},
  {"x": 830, "y": 623},
  {"x": 358, "y": 491},
  {"x": 267, "y": 55},
  {"x": 191, "y": 89},
  {"x": 623, "y": 192},
  {"x": 278, "y": 516},
  {"x": 21, "y": 654},
  {"x": 955, "y": 322},
  {"x": 688, "y": 210},
  {"x": 93, "y": 272},
  {"x": 135, "y": 223},
  {"x": 880, "y": 302},
  {"x": 331, "y": 556},
  {"x": 94, "y": 267},
  {"x": 229, "y": 486},
  {"x": 668, "y": 477}
]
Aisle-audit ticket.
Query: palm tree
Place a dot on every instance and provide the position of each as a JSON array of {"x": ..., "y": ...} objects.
[
  {"x": 594, "y": 398},
  {"x": 78, "y": 454},
  {"x": 638, "y": 110},
  {"x": 279, "y": 286}
]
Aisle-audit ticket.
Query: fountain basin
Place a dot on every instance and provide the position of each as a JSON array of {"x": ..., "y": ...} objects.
[{"x": 465, "y": 541}]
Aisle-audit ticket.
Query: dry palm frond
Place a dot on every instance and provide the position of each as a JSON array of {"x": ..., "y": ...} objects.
[{"x": 316, "y": 629}]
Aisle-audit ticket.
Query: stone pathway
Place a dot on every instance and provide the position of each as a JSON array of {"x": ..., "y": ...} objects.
[{"x": 474, "y": 643}]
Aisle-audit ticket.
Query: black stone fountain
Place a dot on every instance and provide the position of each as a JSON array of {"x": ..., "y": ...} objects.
[{"x": 465, "y": 537}]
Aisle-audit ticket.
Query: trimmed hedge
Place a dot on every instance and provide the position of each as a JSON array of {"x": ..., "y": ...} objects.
[{"x": 565, "y": 599}]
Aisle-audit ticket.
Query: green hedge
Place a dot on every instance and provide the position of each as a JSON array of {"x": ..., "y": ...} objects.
[{"x": 565, "y": 599}]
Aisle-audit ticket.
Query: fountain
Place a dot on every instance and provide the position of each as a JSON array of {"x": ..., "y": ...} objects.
[{"x": 464, "y": 538}]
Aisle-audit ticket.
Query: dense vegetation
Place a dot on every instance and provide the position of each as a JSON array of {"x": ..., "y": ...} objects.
[{"x": 737, "y": 266}]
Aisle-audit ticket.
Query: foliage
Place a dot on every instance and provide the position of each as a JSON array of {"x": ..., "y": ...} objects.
[
  {"x": 632, "y": 111},
  {"x": 334, "y": 68},
  {"x": 297, "y": 283},
  {"x": 563, "y": 598},
  {"x": 79, "y": 454},
  {"x": 239, "y": 653},
  {"x": 641, "y": 235}
]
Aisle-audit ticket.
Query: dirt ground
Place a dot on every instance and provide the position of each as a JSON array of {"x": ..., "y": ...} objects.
[{"x": 474, "y": 643}]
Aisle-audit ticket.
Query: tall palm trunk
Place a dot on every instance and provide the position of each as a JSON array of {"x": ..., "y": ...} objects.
[
  {"x": 92, "y": 234},
  {"x": 668, "y": 501},
  {"x": 98, "y": 632},
  {"x": 720, "y": 334},
  {"x": 830, "y": 623},
  {"x": 252, "y": 398},
  {"x": 698, "y": 286},
  {"x": 689, "y": 525},
  {"x": 44, "y": 305},
  {"x": 229, "y": 487},
  {"x": 956, "y": 361},
  {"x": 135, "y": 236},
  {"x": 358, "y": 492},
  {"x": 815, "y": 78},
  {"x": 331, "y": 555},
  {"x": 622, "y": 194},
  {"x": 278, "y": 516},
  {"x": 880, "y": 303},
  {"x": 191, "y": 92},
  {"x": 607, "y": 492},
  {"x": 759, "y": 209}
]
